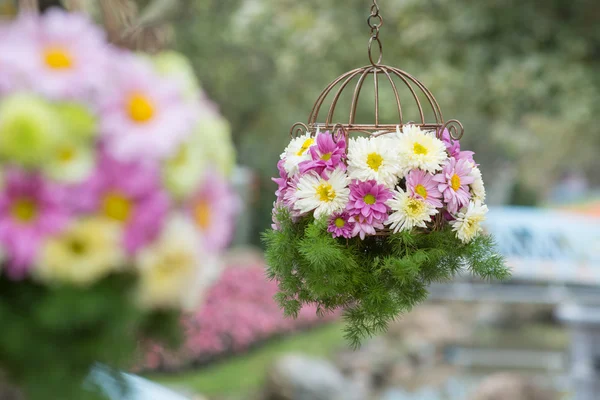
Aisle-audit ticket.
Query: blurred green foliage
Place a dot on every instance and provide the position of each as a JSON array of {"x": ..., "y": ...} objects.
[
  {"x": 522, "y": 76},
  {"x": 53, "y": 336}
]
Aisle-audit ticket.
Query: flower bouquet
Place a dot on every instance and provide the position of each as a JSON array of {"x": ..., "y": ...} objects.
[
  {"x": 114, "y": 201},
  {"x": 366, "y": 223}
]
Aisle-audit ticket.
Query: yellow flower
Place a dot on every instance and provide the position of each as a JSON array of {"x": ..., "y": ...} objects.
[
  {"x": 174, "y": 272},
  {"x": 87, "y": 252}
]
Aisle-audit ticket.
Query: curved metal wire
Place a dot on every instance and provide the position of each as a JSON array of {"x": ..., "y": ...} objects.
[{"x": 420, "y": 94}]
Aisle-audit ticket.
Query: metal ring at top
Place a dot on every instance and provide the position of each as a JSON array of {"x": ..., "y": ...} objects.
[
  {"x": 375, "y": 38},
  {"x": 375, "y": 21}
]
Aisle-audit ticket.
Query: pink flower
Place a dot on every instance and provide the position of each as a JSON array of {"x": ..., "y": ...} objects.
[
  {"x": 327, "y": 154},
  {"x": 126, "y": 192},
  {"x": 341, "y": 224},
  {"x": 453, "y": 182},
  {"x": 146, "y": 116},
  {"x": 420, "y": 185},
  {"x": 16, "y": 53},
  {"x": 30, "y": 209},
  {"x": 213, "y": 209},
  {"x": 276, "y": 225},
  {"x": 453, "y": 148},
  {"x": 282, "y": 181},
  {"x": 289, "y": 198},
  {"x": 368, "y": 199},
  {"x": 59, "y": 54},
  {"x": 364, "y": 227}
]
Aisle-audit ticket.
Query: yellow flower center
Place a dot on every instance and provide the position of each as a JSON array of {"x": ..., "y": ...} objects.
[
  {"x": 369, "y": 199},
  {"x": 77, "y": 247},
  {"x": 455, "y": 182},
  {"x": 419, "y": 149},
  {"x": 421, "y": 191},
  {"x": 326, "y": 157},
  {"x": 117, "y": 206},
  {"x": 24, "y": 210},
  {"x": 202, "y": 214},
  {"x": 66, "y": 154},
  {"x": 307, "y": 143},
  {"x": 325, "y": 192},
  {"x": 414, "y": 208},
  {"x": 57, "y": 58},
  {"x": 374, "y": 161},
  {"x": 340, "y": 223},
  {"x": 140, "y": 108}
]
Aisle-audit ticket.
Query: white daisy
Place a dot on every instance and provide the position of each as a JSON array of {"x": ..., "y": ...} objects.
[
  {"x": 477, "y": 187},
  {"x": 296, "y": 152},
  {"x": 468, "y": 221},
  {"x": 373, "y": 158},
  {"x": 420, "y": 149},
  {"x": 325, "y": 196},
  {"x": 408, "y": 212}
]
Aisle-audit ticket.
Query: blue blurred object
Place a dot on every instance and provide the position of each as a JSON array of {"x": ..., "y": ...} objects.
[{"x": 138, "y": 388}]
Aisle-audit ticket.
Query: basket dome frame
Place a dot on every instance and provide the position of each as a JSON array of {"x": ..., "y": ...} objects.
[{"x": 378, "y": 73}]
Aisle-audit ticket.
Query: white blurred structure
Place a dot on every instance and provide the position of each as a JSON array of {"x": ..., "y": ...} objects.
[{"x": 137, "y": 388}]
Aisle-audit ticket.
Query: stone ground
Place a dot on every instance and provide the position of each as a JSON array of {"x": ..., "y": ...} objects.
[{"x": 410, "y": 361}]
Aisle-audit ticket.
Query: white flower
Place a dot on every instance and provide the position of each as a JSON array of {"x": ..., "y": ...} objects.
[
  {"x": 70, "y": 163},
  {"x": 408, "y": 212},
  {"x": 325, "y": 196},
  {"x": 468, "y": 221},
  {"x": 174, "y": 272},
  {"x": 296, "y": 152},
  {"x": 477, "y": 187},
  {"x": 373, "y": 158},
  {"x": 419, "y": 149},
  {"x": 183, "y": 173}
]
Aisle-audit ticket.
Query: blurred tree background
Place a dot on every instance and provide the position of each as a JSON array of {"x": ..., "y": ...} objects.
[{"x": 522, "y": 76}]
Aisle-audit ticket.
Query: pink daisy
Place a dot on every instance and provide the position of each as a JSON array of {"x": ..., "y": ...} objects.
[
  {"x": 420, "y": 185},
  {"x": 276, "y": 225},
  {"x": 213, "y": 210},
  {"x": 453, "y": 148},
  {"x": 364, "y": 227},
  {"x": 368, "y": 199},
  {"x": 289, "y": 198},
  {"x": 31, "y": 208},
  {"x": 126, "y": 192},
  {"x": 17, "y": 55},
  {"x": 327, "y": 154},
  {"x": 453, "y": 183},
  {"x": 145, "y": 116},
  {"x": 341, "y": 224},
  {"x": 63, "y": 55},
  {"x": 282, "y": 181}
]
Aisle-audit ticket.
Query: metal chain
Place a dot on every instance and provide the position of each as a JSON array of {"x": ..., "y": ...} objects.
[{"x": 375, "y": 21}]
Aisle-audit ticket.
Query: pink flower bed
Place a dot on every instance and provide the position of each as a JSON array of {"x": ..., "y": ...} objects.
[{"x": 238, "y": 312}]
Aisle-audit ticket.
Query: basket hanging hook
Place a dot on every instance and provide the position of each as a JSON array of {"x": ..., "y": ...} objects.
[{"x": 375, "y": 21}]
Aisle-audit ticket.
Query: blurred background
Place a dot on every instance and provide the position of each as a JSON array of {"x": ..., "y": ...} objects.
[{"x": 524, "y": 79}]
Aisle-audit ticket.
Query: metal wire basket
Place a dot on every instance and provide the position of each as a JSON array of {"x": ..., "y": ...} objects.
[{"x": 427, "y": 106}]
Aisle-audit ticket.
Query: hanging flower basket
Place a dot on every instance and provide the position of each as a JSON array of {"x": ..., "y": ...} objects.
[
  {"x": 368, "y": 215},
  {"x": 114, "y": 201}
]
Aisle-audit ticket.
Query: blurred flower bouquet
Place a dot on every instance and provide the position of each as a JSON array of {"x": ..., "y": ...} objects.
[
  {"x": 367, "y": 224},
  {"x": 114, "y": 202}
]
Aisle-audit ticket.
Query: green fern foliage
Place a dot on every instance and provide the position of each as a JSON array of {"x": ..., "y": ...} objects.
[{"x": 374, "y": 280}]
